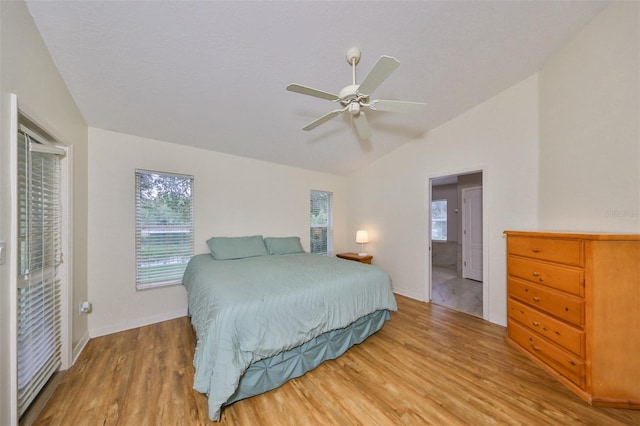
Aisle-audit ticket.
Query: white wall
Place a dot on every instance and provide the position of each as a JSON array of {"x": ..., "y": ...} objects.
[
  {"x": 590, "y": 127},
  {"x": 27, "y": 70},
  {"x": 389, "y": 197},
  {"x": 232, "y": 196}
]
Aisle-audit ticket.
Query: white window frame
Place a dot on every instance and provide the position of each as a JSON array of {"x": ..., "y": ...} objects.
[
  {"x": 180, "y": 262},
  {"x": 328, "y": 225},
  {"x": 433, "y": 238}
]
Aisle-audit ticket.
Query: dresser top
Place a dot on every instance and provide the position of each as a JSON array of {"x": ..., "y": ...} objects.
[{"x": 576, "y": 235}]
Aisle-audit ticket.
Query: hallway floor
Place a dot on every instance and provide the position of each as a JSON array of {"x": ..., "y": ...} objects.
[{"x": 452, "y": 291}]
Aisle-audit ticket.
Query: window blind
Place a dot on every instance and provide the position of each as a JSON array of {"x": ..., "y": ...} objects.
[
  {"x": 39, "y": 254},
  {"x": 321, "y": 222},
  {"x": 164, "y": 227}
]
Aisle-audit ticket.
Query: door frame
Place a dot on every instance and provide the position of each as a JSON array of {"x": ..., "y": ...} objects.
[{"x": 485, "y": 246}]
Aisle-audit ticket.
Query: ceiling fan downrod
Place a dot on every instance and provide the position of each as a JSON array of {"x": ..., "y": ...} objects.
[{"x": 353, "y": 57}]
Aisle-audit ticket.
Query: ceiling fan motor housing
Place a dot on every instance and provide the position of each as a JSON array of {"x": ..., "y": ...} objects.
[{"x": 350, "y": 94}]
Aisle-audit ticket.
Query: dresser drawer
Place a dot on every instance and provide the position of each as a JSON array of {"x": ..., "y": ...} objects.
[
  {"x": 569, "y": 365},
  {"x": 569, "y": 252},
  {"x": 555, "y": 276},
  {"x": 563, "y": 306},
  {"x": 557, "y": 331}
]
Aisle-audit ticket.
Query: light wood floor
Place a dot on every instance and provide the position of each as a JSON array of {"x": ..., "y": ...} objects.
[{"x": 428, "y": 365}]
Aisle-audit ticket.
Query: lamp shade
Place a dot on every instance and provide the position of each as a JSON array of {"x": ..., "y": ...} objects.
[{"x": 362, "y": 236}]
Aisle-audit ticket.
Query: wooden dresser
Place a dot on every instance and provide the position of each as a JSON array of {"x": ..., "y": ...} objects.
[{"x": 574, "y": 308}]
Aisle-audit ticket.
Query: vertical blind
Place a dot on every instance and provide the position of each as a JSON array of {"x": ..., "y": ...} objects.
[
  {"x": 164, "y": 227},
  {"x": 321, "y": 231},
  {"x": 39, "y": 254}
]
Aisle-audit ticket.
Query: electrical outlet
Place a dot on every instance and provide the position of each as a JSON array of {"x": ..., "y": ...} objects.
[{"x": 85, "y": 307}]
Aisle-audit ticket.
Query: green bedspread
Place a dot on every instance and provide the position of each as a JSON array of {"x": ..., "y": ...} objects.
[{"x": 249, "y": 309}]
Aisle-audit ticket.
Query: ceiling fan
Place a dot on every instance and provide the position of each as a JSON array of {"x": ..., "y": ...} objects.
[{"x": 355, "y": 97}]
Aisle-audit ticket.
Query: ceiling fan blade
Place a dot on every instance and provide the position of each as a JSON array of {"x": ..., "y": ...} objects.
[
  {"x": 398, "y": 106},
  {"x": 362, "y": 126},
  {"x": 323, "y": 119},
  {"x": 379, "y": 73},
  {"x": 298, "y": 88}
]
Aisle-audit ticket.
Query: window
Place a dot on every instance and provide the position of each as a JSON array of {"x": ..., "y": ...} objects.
[
  {"x": 164, "y": 227},
  {"x": 321, "y": 222},
  {"x": 39, "y": 256},
  {"x": 439, "y": 220}
]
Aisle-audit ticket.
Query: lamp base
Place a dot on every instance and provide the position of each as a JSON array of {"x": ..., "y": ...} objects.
[{"x": 362, "y": 254}]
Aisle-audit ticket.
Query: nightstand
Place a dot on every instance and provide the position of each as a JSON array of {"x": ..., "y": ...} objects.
[{"x": 356, "y": 257}]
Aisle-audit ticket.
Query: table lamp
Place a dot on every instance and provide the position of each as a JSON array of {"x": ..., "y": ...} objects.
[{"x": 362, "y": 237}]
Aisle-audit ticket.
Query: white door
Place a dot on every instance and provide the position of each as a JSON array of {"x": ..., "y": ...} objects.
[{"x": 472, "y": 233}]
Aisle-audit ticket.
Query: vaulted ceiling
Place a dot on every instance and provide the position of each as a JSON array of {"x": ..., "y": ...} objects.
[{"x": 212, "y": 74}]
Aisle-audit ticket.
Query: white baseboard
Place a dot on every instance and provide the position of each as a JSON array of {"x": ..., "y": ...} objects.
[
  {"x": 79, "y": 347},
  {"x": 135, "y": 323},
  {"x": 409, "y": 294}
]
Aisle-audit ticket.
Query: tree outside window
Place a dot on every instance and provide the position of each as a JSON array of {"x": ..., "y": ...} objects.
[{"x": 164, "y": 227}]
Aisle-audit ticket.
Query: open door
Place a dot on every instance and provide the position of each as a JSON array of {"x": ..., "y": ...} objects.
[{"x": 472, "y": 233}]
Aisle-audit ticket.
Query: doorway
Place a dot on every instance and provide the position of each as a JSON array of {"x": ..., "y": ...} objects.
[{"x": 455, "y": 242}]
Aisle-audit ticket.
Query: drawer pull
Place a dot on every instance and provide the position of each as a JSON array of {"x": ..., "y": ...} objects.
[
  {"x": 536, "y": 348},
  {"x": 535, "y": 250},
  {"x": 536, "y": 274},
  {"x": 536, "y": 323},
  {"x": 537, "y": 299},
  {"x": 572, "y": 362}
]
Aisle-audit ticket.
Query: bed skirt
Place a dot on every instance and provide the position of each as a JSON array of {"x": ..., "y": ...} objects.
[{"x": 272, "y": 372}]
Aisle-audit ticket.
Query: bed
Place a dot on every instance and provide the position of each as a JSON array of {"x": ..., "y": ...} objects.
[{"x": 269, "y": 313}]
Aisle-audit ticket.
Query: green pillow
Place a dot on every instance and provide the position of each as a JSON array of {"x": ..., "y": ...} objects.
[
  {"x": 283, "y": 245},
  {"x": 226, "y": 248}
]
